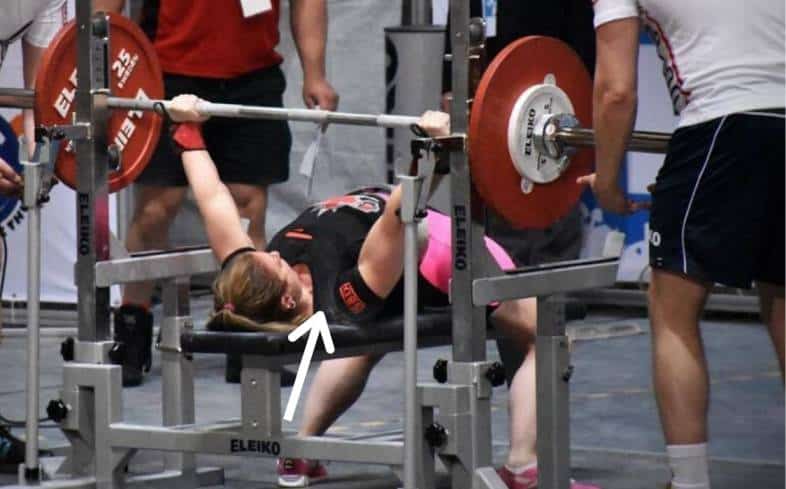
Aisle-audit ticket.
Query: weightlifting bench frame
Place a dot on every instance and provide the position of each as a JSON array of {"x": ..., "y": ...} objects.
[
  {"x": 259, "y": 433},
  {"x": 102, "y": 444}
]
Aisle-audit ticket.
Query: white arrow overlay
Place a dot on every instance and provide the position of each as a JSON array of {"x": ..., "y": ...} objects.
[{"x": 315, "y": 326}]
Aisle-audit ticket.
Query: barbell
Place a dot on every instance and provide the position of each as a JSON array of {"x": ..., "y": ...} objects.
[{"x": 528, "y": 120}]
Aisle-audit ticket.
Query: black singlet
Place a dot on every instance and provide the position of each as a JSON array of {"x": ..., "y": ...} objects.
[{"x": 327, "y": 238}]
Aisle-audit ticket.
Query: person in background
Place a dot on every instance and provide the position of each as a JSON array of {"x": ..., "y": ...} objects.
[
  {"x": 718, "y": 200},
  {"x": 34, "y": 23},
  {"x": 223, "y": 52}
]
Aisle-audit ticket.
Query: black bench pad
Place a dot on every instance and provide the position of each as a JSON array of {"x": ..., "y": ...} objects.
[{"x": 434, "y": 328}]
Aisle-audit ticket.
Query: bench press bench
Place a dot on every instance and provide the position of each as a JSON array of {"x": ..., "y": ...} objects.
[
  {"x": 385, "y": 335},
  {"x": 456, "y": 409}
]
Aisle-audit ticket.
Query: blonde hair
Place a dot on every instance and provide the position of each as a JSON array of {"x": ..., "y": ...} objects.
[{"x": 245, "y": 298}]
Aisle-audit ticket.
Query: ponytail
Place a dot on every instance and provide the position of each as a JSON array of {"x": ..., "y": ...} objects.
[{"x": 226, "y": 320}]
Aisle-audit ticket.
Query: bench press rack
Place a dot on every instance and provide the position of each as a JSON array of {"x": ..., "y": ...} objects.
[{"x": 90, "y": 408}]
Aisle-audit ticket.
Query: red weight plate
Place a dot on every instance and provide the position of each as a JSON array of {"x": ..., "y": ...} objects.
[
  {"x": 134, "y": 73},
  {"x": 522, "y": 64}
]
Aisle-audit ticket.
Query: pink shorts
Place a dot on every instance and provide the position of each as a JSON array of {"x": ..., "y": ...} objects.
[{"x": 436, "y": 265}]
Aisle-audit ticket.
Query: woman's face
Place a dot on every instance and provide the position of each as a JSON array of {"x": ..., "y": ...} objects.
[{"x": 275, "y": 266}]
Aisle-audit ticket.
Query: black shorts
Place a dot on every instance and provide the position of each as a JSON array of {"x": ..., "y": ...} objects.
[
  {"x": 251, "y": 151},
  {"x": 718, "y": 201}
]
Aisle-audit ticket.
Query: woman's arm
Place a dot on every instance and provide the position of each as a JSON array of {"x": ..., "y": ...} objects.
[
  {"x": 381, "y": 260},
  {"x": 218, "y": 209},
  {"x": 216, "y": 205}
]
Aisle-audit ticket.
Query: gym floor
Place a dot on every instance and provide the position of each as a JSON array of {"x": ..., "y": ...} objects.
[{"x": 616, "y": 439}]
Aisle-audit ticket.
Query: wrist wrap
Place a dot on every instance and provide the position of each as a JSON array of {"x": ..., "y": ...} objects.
[{"x": 187, "y": 136}]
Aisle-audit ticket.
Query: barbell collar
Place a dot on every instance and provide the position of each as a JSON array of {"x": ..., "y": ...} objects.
[
  {"x": 275, "y": 113},
  {"x": 640, "y": 141}
]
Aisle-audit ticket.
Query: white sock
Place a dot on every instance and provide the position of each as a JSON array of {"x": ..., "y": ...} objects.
[
  {"x": 689, "y": 466},
  {"x": 522, "y": 468}
]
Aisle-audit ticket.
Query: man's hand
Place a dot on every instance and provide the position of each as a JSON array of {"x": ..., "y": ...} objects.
[
  {"x": 183, "y": 108},
  {"x": 318, "y": 92},
  {"x": 611, "y": 197},
  {"x": 10, "y": 181},
  {"x": 309, "y": 22},
  {"x": 435, "y": 123}
]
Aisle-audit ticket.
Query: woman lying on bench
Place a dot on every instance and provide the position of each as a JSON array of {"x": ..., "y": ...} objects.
[{"x": 343, "y": 256}]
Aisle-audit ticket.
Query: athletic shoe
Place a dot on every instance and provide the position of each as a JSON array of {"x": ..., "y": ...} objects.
[
  {"x": 134, "y": 329},
  {"x": 12, "y": 452},
  {"x": 529, "y": 479},
  {"x": 299, "y": 472}
]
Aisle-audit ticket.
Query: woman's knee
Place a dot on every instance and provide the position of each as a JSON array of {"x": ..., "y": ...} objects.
[
  {"x": 369, "y": 361},
  {"x": 361, "y": 364},
  {"x": 358, "y": 369},
  {"x": 518, "y": 320}
]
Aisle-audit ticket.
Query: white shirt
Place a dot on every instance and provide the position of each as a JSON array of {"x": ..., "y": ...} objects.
[
  {"x": 719, "y": 56},
  {"x": 37, "y": 21}
]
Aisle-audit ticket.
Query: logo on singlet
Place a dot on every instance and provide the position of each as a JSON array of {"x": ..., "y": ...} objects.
[
  {"x": 351, "y": 299},
  {"x": 363, "y": 203}
]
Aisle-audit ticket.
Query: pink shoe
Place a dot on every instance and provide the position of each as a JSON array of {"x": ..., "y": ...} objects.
[
  {"x": 529, "y": 479},
  {"x": 299, "y": 472}
]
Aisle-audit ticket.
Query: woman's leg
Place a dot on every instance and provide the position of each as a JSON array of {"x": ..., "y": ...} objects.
[
  {"x": 517, "y": 321},
  {"x": 336, "y": 386}
]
